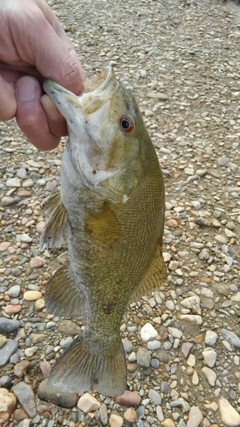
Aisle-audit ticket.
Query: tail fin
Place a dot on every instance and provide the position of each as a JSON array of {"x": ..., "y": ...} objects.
[{"x": 82, "y": 368}]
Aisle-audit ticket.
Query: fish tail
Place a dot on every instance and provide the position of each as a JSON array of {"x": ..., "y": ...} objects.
[{"x": 83, "y": 367}]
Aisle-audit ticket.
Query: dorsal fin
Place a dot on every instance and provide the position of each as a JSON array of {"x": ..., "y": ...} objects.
[
  {"x": 56, "y": 230},
  {"x": 153, "y": 278}
]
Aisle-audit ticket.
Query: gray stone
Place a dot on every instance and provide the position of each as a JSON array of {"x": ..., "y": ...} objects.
[
  {"x": 13, "y": 182},
  {"x": 210, "y": 338},
  {"x": 25, "y": 396},
  {"x": 195, "y": 417},
  {"x": 155, "y": 397},
  {"x": 22, "y": 173},
  {"x": 143, "y": 357},
  {"x": 14, "y": 291},
  {"x": 7, "y": 351},
  {"x": 7, "y": 325},
  {"x": 209, "y": 356},
  {"x": 65, "y": 342},
  {"x": 127, "y": 345},
  {"x": 182, "y": 403},
  {"x": 231, "y": 337},
  {"x": 56, "y": 395}
]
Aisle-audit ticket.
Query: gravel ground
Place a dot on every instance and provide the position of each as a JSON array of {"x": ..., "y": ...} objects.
[{"x": 181, "y": 59}]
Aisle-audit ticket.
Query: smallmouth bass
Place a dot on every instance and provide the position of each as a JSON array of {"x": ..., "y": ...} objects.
[{"x": 111, "y": 212}]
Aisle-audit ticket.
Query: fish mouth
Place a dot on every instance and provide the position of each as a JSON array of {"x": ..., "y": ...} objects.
[{"x": 97, "y": 91}]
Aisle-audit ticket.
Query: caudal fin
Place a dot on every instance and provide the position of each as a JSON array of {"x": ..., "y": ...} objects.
[{"x": 82, "y": 368}]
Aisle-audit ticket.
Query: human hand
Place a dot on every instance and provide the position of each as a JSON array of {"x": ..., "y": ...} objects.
[{"x": 34, "y": 46}]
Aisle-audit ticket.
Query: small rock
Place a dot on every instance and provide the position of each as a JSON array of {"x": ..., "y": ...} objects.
[
  {"x": 7, "y": 325},
  {"x": 229, "y": 415},
  {"x": 195, "y": 417},
  {"x": 4, "y": 246},
  {"x": 130, "y": 415},
  {"x": 25, "y": 396},
  {"x": 115, "y": 420},
  {"x": 148, "y": 332},
  {"x": 168, "y": 422},
  {"x": 176, "y": 333},
  {"x": 209, "y": 356},
  {"x": 88, "y": 403},
  {"x": 231, "y": 337},
  {"x": 191, "y": 360},
  {"x": 37, "y": 262},
  {"x": 7, "y": 351},
  {"x": 7, "y": 404},
  {"x": 69, "y": 327},
  {"x": 192, "y": 303},
  {"x": 22, "y": 173},
  {"x": 127, "y": 345},
  {"x": 195, "y": 379},
  {"x": 186, "y": 347},
  {"x": 12, "y": 308},
  {"x": 32, "y": 295},
  {"x": 129, "y": 398},
  {"x": 143, "y": 357},
  {"x": 155, "y": 397},
  {"x": 25, "y": 238},
  {"x": 30, "y": 351},
  {"x": 211, "y": 375},
  {"x": 182, "y": 403},
  {"x": 8, "y": 201},
  {"x": 221, "y": 239},
  {"x": 13, "y": 182},
  {"x": 192, "y": 318},
  {"x": 157, "y": 95},
  {"x": 14, "y": 291},
  {"x": 210, "y": 338},
  {"x": 40, "y": 227},
  {"x": 103, "y": 414},
  {"x": 21, "y": 368},
  {"x": 56, "y": 395}
]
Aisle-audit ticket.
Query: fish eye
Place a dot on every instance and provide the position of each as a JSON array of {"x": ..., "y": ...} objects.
[{"x": 127, "y": 124}]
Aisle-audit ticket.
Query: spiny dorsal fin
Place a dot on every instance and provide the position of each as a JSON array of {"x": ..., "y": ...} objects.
[
  {"x": 56, "y": 230},
  {"x": 153, "y": 279},
  {"x": 62, "y": 298}
]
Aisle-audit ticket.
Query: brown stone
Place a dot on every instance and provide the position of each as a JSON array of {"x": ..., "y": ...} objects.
[{"x": 7, "y": 404}]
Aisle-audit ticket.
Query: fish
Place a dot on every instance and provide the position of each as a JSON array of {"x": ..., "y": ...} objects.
[{"x": 110, "y": 211}]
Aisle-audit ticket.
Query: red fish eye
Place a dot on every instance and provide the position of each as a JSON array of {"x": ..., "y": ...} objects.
[{"x": 127, "y": 124}]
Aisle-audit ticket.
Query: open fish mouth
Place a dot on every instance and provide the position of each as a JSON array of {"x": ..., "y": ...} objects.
[{"x": 97, "y": 91}]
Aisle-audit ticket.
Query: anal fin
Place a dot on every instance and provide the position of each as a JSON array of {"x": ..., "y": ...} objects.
[
  {"x": 56, "y": 230},
  {"x": 83, "y": 367},
  {"x": 153, "y": 278},
  {"x": 62, "y": 298}
]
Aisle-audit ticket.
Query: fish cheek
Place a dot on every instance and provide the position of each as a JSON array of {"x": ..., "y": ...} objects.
[{"x": 102, "y": 226}]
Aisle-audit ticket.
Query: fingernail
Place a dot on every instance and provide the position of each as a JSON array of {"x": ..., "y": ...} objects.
[{"x": 26, "y": 89}]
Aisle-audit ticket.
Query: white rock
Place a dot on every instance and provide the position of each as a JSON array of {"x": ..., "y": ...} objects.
[
  {"x": 195, "y": 417},
  {"x": 209, "y": 356},
  {"x": 13, "y": 182},
  {"x": 176, "y": 333},
  {"x": 195, "y": 379},
  {"x": 210, "y": 338},
  {"x": 192, "y": 303},
  {"x": 88, "y": 403},
  {"x": 115, "y": 420},
  {"x": 191, "y": 360},
  {"x": 148, "y": 332},
  {"x": 211, "y": 375},
  {"x": 160, "y": 413},
  {"x": 229, "y": 415},
  {"x": 192, "y": 318}
]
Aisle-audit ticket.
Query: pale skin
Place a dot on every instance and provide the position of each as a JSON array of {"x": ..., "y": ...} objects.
[{"x": 33, "y": 46}]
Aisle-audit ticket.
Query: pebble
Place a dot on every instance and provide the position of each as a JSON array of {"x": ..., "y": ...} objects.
[
  {"x": 176, "y": 333},
  {"x": 37, "y": 262},
  {"x": 8, "y": 403},
  {"x": 3, "y": 340},
  {"x": 7, "y": 351},
  {"x": 127, "y": 345},
  {"x": 103, "y": 414},
  {"x": 14, "y": 291},
  {"x": 21, "y": 368},
  {"x": 186, "y": 348},
  {"x": 155, "y": 397},
  {"x": 13, "y": 182},
  {"x": 115, "y": 420},
  {"x": 210, "y": 338},
  {"x": 8, "y": 325},
  {"x": 11, "y": 308},
  {"x": 32, "y": 295},
  {"x": 229, "y": 415},
  {"x": 4, "y": 246},
  {"x": 168, "y": 422},
  {"x": 195, "y": 417},
  {"x": 130, "y": 415},
  {"x": 56, "y": 395},
  {"x": 192, "y": 303},
  {"x": 30, "y": 351},
  {"x": 88, "y": 403},
  {"x": 182, "y": 403},
  {"x": 209, "y": 356},
  {"x": 211, "y": 375},
  {"x": 148, "y": 332},
  {"x": 153, "y": 345},
  {"x": 231, "y": 337},
  {"x": 25, "y": 396},
  {"x": 129, "y": 398},
  {"x": 143, "y": 357}
]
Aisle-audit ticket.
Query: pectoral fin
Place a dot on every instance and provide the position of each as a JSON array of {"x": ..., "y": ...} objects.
[
  {"x": 154, "y": 277},
  {"x": 62, "y": 298},
  {"x": 102, "y": 226},
  {"x": 56, "y": 231}
]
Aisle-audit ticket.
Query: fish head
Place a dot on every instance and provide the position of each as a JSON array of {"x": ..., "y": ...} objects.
[{"x": 105, "y": 134}]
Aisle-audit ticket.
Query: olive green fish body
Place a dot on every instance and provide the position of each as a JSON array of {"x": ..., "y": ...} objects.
[{"x": 113, "y": 197}]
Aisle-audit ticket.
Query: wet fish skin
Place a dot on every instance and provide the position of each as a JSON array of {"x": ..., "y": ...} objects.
[{"x": 112, "y": 211}]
